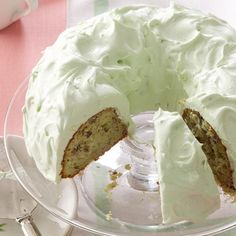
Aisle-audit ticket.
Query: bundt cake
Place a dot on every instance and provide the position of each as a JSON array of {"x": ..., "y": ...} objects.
[{"x": 86, "y": 86}]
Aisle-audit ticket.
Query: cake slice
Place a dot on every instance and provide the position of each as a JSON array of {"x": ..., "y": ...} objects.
[{"x": 188, "y": 190}]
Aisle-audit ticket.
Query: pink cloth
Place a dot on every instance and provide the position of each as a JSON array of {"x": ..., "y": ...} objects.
[{"x": 21, "y": 45}]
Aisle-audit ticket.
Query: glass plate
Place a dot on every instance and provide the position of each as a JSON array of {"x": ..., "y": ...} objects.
[{"x": 125, "y": 209}]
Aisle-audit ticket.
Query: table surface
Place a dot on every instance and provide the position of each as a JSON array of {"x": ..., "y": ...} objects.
[
  {"x": 21, "y": 45},
  {"x": 22, "y": 42}
]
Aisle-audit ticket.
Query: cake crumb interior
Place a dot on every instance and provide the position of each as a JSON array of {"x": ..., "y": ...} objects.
[
  {"x": 93, "y": 138},
  {"x": 213, "y": 148}
]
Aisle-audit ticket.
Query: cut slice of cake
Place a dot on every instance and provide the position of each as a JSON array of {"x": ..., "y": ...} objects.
[{"x": 188, "y": 190}]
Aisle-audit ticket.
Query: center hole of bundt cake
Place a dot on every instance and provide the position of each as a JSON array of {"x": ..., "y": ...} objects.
[{"x": 213, "y": 148}]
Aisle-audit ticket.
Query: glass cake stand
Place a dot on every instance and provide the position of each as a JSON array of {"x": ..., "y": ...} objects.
[{"x": 118, "y": 194}]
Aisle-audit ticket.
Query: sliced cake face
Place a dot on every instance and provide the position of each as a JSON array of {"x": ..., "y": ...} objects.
[
  {"x": 217, "y": 114},
  {"x": 188, "y": 190},
  {"x": 94, "y": 137},
  {"x": 213, "y": 148}
]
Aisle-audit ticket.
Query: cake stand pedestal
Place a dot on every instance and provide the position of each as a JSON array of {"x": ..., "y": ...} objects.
[{"x": 123, "y": 184}]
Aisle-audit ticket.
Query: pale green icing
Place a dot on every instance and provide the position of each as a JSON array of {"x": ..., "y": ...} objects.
[
  {"x": 134, "y": 58},
  {"x": 188, "y": 190}
]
